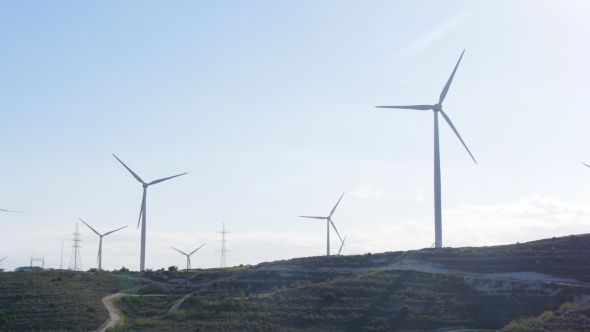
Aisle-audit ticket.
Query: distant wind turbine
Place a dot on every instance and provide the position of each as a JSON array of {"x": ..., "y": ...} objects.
[
  {"x": 328, "y": 222},
  {"x": 437, "y": 108},
  {"x": 188, "y": 256},
  {"x": 99, "y": 258},
  {"x": 1, "y": 262},
  {"x": 142, "y": 211},
  {"x": 342, "y": 245}
]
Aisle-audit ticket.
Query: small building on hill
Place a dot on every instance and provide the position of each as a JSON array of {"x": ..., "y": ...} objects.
[{"x": 28, "y": 268}]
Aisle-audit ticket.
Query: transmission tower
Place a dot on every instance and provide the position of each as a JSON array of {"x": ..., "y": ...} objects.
[
  {"x": 42, "y": 260},
  {"x": 61, "y": 260},
  {"x": 222, "y": 263},
  {"x": 76, "y": 259}
]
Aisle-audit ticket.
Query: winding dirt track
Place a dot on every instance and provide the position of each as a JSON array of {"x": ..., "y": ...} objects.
[{"x": 114, "y": 317}]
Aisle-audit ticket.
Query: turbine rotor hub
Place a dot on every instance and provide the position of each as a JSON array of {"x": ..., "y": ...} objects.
[
  {"x": 145, "y": 185},
  {"x": 437, "y": 107}
]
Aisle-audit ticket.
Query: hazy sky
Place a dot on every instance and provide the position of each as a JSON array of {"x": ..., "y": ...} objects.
[{"x": 270, "y": 108}]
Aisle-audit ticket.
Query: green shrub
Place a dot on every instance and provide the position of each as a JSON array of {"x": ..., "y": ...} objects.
[
  {"x": 329, "y": 297},
  {"x": 404, "y": 311}
]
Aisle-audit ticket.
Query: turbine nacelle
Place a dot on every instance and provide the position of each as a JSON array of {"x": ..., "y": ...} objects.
[{"x": 437, "y": 107}]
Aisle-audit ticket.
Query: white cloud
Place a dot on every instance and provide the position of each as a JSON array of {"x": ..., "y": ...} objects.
[
  {"x": 418, "y": 192},
  {"x": 368, "y": 191},
  {"x": 529, "y": 218}
]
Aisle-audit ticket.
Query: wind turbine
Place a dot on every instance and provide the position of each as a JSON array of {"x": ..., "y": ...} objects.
[
  {"x": 3, "y": 259},
  {"x": 342, "y": 245},
  {"x": 142, "y": 211},
  {"x": 328, "y": 222},
  {"x": 188, "y": 256},
  {"x": 437, "y": 108},
  {"x": 99, "y": 258}
]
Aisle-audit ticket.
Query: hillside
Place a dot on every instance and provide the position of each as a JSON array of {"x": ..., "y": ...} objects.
[
  {"x": 56, "y": 300},
  {"x": 480, "y": 288}
]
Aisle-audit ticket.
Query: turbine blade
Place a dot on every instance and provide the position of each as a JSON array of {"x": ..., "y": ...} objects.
[
  {"x": 10, "y": 211},
  {"x": 456, "y": 133},
  {"x": 164, "y": 179},
  {"x": 443, "y": 94},
  {"x": 142, "y": 207},
  {"x": 89, "y": 227},
  {"x": 118, "y": 229},
  {"x": 196, "y": 250},
  {"x": 411, "y": 107},
  {"x": 3, "y": 258},
  {"x": 586, "y": 164},
  {"x": 335, "y": 229},
  {"x": 342, "y": 245},
  {"x": 313, "y": 217},
  {"x": 335, "y": 206},
  {"x": 130, "y": 171},
  {"x": 178, "y": 250}
]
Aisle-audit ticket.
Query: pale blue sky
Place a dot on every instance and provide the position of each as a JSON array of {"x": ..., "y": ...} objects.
[{"x": 270, "y": 108}]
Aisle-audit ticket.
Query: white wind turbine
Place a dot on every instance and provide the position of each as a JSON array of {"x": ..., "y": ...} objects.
[
  {"x": 188, "y": 256},
  {"x": 99, "y": 258},
  {"x": 142, "y": 211},
  {"x": 437, "y": 108},
  {"x": 328, "y": 222}
]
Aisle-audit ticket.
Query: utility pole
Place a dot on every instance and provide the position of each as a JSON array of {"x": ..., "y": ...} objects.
[
  {"x": 222, "y": 263},
  {"x": 61, "y": 260},
  {"x": 76, "y": 258}
]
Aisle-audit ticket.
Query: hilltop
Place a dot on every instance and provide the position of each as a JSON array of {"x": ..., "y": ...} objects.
[{"x": 419, "y": 290}]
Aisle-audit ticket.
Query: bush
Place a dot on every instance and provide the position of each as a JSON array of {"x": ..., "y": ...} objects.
[
  {"x": 404, "y": 311},
  {"x": 173, "y": 268},
  {"x": 18, "y": 297},
  {"x": 329, "y": 297}
]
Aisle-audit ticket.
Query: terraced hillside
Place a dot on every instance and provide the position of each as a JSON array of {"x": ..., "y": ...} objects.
[
  {"x": 480, "y": 288},
  {"x": 483, "y": 288},
  {"x": 56, "y": 300}
]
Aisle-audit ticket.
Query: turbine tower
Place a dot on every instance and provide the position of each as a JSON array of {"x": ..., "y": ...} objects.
[
  {"x": 328, "y": 222},
  {"x": 342, "y": 245},
  {"x": 188, "y": 256},
  {"x": 437, "y": 108},
  {"x": 99, "y": 258},
  {"x": 142, "y": 211}
]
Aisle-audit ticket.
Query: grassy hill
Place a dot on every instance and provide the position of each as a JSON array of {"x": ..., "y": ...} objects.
[
  {"x": 56, "y": 300},
  {"x": 484, "y": 288}
]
